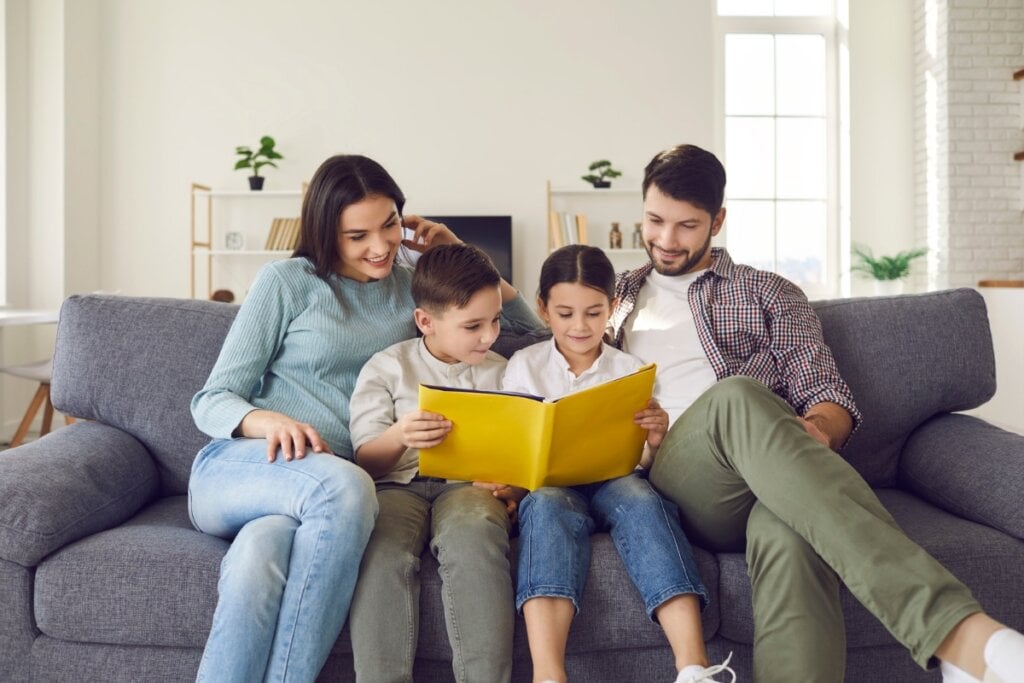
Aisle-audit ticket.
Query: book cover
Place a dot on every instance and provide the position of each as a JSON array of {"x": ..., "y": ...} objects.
[{"x": 525, "y": 441}]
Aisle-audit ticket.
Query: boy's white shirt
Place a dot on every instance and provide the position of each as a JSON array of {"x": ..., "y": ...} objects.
[
  {"x": 388, "y": 387},
  {"x": 540, "y": 369}
]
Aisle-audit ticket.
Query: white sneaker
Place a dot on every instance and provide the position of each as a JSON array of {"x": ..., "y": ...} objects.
[{"x": 701, "y": 674}]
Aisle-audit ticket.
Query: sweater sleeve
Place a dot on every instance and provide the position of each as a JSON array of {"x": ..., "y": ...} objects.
[
  {"x": 517, "y": 316},
  {"x": 248, "y": 350}
]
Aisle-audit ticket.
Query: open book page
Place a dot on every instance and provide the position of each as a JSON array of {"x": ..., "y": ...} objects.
[{"x": 515, "y": 439}]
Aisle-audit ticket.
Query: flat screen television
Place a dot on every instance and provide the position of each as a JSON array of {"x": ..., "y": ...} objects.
[{"x": 493, "y": 234}]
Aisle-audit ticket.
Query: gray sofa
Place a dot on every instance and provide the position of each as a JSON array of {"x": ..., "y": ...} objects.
[{"x": 102, "y": 578}]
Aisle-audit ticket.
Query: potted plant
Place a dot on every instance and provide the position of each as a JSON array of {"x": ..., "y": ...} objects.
[
  {"x": 599, "y": 171},
  {"x": 263, "y": 156},
  {"x": 888, "y": 272}
]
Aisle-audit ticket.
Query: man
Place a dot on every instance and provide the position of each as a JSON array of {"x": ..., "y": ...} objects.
[{"x": 759, "y": 411}]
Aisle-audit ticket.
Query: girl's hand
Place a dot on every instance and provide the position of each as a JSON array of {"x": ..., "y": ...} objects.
[
  {"x": 655, "y": 420},
  {"x": 512, "y": 495},
  {"x": 282, "y": 432},
  {"x": 421, "y": 429},
  {"x": 427, "y": 233}
]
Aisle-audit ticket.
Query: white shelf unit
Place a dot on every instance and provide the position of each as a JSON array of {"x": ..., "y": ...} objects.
[
  {"x": 216, "y": 213},
  {"x": 602, "y": 207}
]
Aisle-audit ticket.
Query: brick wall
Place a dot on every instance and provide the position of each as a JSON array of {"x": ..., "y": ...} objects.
[{"x": 967, "y": 127}]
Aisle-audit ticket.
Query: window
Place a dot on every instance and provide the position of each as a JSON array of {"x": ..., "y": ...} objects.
[{"x": 782, "y": 136}]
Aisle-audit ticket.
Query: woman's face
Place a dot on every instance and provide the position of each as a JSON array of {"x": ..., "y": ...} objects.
[{"x": 369, "y": 234}]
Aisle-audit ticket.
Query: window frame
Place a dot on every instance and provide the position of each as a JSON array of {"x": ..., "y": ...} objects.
[{"x": 836, "y": 127}]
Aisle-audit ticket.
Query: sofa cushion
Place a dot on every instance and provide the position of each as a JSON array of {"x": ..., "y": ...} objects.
[
  {"x": 74, "y": 482},
  {"x": 150, "y": 581},
  {"x": 907, "y": 358},
  {"x": 135, "y": 363},
  {"x": 968, "y": 467},
  {"x": 987, "y": 560}
]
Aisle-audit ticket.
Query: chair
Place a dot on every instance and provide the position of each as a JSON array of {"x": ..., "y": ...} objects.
[{"x": 39, "y": 372}]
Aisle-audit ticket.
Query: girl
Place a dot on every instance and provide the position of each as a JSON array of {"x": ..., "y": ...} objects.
[
  {"x": 277, "y": 406},
  {"x": 576, "y": 297}
]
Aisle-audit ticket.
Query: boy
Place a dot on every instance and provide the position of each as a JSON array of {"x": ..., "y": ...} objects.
[{"x": 458, "y": 303}]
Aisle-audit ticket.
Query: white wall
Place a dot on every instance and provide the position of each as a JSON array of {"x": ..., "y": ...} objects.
[
  {"x": 881, "y": 128},
  {"x": 471, "y": 106}
]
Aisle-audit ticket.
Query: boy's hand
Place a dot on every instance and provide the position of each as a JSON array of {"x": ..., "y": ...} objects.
[
  {"x": 510, "y": 494},
  {"x": 421, "y": 429},
  {"x": 655, "y": 420}
]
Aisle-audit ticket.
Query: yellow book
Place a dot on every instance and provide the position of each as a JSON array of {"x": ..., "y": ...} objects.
[
  {"x": 525, "y": 441},
  {"x": 555, "y": 239}
]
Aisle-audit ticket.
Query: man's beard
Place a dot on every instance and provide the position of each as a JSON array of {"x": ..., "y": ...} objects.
[{"x": 685, "y": 267}]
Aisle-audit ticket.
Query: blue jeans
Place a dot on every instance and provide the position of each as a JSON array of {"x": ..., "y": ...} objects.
[
  {"x": 299, "y": 530},
  {"x": 554, "y": 541}
]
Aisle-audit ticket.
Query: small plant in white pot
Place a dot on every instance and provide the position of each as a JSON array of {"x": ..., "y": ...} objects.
[
  {"x": 264, "y": 156},
  {"x": 888, "y": 272}
]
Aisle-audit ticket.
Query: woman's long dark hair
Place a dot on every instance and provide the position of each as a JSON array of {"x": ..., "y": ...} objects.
[
  {"x": 340, "y": 181},
  {"x": 589, "y": 266}
]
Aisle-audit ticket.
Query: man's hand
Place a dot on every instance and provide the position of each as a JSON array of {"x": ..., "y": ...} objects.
[{"x": 829, "y": 423}]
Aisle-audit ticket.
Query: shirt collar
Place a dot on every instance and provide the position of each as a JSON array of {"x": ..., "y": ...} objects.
[
  {"x": 448, "y": 370},
  {"x": 562, "y": 364}
]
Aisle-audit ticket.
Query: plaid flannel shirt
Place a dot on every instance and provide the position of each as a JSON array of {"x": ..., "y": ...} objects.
[{"x": 753, "y": 323}]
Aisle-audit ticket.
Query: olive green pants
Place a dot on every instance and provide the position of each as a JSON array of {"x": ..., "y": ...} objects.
[
  {"x": 744, "y": 472},
  {"x": 468, "y": 530}
]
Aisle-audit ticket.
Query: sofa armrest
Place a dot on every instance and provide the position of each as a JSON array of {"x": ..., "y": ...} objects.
[
  {"x": 70, "y": 484},
  {"x": 967, "y": 467}
]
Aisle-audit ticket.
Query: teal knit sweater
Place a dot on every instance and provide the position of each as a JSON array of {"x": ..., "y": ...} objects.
[{"x": 296, "y": 347}]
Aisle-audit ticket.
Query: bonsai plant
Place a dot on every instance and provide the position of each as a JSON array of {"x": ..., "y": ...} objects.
[
  {"x": 599, "y": 171},
  {"x": 886, "y": 271},
  {"x": 263, "y": 156}
]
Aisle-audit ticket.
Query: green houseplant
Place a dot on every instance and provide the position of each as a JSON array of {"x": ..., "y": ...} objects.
[
  {"x": 263, "y": 156},
  {"x": 887, "y": 271},
  {"x": 600, "y": 171}
]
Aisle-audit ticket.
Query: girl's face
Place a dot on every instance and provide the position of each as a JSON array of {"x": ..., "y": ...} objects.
[
  {"x": 369, "y": 234},
  {"x": 578, "y": 316}
]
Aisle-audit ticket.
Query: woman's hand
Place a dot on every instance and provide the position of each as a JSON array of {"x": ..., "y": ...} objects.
[
  {"x": 282, "y": 432},
  {"x": 427, "y": 233},
  {"x": 655, "y": 420},
  {"x": 512, "y": 495}
]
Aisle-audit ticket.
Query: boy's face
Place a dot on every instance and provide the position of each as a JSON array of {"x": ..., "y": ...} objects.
[
  {"x": 677, "y": 235},
  {"x": 463, "y": 334}
]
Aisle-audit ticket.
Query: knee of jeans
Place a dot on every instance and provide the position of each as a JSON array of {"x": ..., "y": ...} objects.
[
  {"x": 348, "y": 490},
  {"x": 547, "y": 502},
  {"x": 256, "y": 564}
]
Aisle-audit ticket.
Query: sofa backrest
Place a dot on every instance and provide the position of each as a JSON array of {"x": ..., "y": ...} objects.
[
  {"x": 907, "y": 358},
  {"x": 135, "y": 363}
]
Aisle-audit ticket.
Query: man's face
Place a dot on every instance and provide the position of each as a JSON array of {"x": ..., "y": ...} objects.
[{"x": 677, "y": 235}]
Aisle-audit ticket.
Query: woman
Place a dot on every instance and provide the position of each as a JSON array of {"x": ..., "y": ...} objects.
[{"x": 276, "y": 404}]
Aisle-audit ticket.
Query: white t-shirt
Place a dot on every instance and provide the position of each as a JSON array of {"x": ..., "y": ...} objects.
[
  {"x": 541, "y": 370},
  {"x": 661, "y": 330}
]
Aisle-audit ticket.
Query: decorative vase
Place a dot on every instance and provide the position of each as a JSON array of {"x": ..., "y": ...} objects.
[
  {"x": 638, "y": 236},
  {"x": 615, "y": 237},
  {"x": 888, "y": 287},
  {"x": 255, "y": 182}
]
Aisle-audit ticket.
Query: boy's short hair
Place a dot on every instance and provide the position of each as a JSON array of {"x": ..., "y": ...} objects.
[
  {"x": 449, "y": 275},
  {"x": 688, "y": 173}
]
